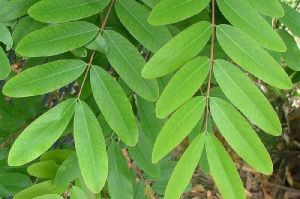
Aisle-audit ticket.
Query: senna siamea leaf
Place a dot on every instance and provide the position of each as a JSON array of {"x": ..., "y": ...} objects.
[
  {"x": 253, "y": 58},
  {"x": 128, "y": 63},
  {"x": 185, "y": 168},
  {"x": 25, "y": 26},
  {"x": 179, "y": 125},
  {"x": 119, "y": 180},
  {"x": 45, "y": 169},
  {"x": 223, "y": 169},
  {"x": 244, "y": 94},
  {"x": 4, "y": 65},
  {"x": 150, "y": 124},
  {"x": 291, "y": 19},
  {"x": 44, "y": 78},
  {"x": 292, "y": 55},
  {"x": 49, "y": 196},
  {"x": 182, "y": 86},
  {"x": 5, "y": 37},
  {"x": 240, "y": 14},
  {"x": 134, "y": 17},
  {"x": 270, "y": 8},
  {"x": 90, "y": 147},
  {"x": 114, "y": 105},
  {"x": 172, "y": 11},
  {"x": 77, "y": 193},
  {"x": 182, "y": 48},
  {"x": 41, "y": 134},
  {"x": 58, "y": 155},
  {"x": 68, "y": 171},
  {"x": 98, "y": 44},
  {"x": 56, "y": 39},
  {"x": 240, "y": 135},
  {"x": 56, "y": 11},
  {"x": 14, "y": 9},
  {"x": 12, "y": 183},
  {"x": 46, "y": 187},
  {"x": 141, "y": 154}
]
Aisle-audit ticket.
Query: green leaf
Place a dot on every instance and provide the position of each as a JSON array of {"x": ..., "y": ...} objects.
[
  {"x": 4, "y": 65},
  {"x": 223, "y": 170},
  {"x": 292, "y": 55},
  {"x": 119, "y": 179},
  {"x": 56, "y": 39},
  {"x": 49, "y": 196},
  {"x": 25, "y": 26},
  {"x": 183, "y": 85},
  {"x": 98, "y": 44},
  {"x": 270, "y": 8},
  {"x": 244, "y": 94},
  {"x": 128, "y": 63},
  {"x": 185, "y": 168},
  {"x": 68, "y": 171},
  {"x": 240, "y": 135},
  {"x": 182, "y": 48},
  {"x": 41, "y": 134},
  {"x": 40, "y": 189},
  {"x": 172, "y": 11},
  {"x": 45, "y": 169},
  {"x": 58, "y": 155},
  {"x": 253, "y": 58},
  {"x": 240, "y": 14},
  {"x": 14, "y": 9},
  {"x": 180, "y": 124},
  {"x": 90, "y": 147},
  {"x": 134, "y": 17},
  {"x": 141, "y": 154},
  {"x": 11, "y": 183},
  {"x": 78, "y": 193},
  {"x": 291, "y": 19},
  {"x": 56, "y": 11},
  {"x": 5, "y": 37},
  {"x": 150, "y": 124},
  {"x": 114, "y": 105},
  {"x": 44, "y": 78}
]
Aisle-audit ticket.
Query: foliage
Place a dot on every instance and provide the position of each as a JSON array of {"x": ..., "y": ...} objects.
[{"x": 92, "y": 106}]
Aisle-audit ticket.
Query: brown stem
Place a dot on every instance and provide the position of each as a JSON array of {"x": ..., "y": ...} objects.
[
  {"x": 211, "y": 64},
  {"x": 94, "y": 52}
]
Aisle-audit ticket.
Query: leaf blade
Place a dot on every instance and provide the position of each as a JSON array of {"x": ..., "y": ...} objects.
[
  {"x": 37, "y": 136},
  {"x": 44, "y": 78},
  {"x": 244, "y": 94},
  {"x": 90, "y": 147},
  {"x": 56, "y": 39},
  {"x": 183, "y": 47}
]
